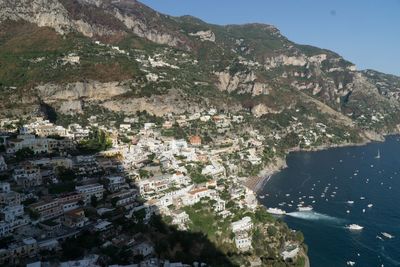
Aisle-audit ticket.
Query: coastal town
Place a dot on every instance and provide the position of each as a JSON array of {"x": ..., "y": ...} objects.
[{"x": 134, "y": 193}]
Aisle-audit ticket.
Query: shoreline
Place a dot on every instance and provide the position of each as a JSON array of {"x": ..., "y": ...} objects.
[{"x": 257, "y": 183}]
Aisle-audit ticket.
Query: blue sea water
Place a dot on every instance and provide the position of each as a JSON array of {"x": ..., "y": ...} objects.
[{"x": 330, "y": 178}]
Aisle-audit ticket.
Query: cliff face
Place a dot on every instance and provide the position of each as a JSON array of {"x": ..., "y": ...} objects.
[
  {"x": 91, "y": 18},
  {"x": 112, "y": 53}
]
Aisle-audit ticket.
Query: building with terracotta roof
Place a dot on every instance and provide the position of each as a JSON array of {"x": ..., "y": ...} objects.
[{"x": 195, "y": 140}]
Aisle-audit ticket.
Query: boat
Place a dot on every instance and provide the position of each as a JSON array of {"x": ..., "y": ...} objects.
[
  {"x": 276, "y": 211},
  {"x": 378, "y": 156},
  {"x": 306, "y": 208},
  {"x": 351, "y": 263},
  {"x": 387, "y": 235},
  {"x": 354, "y": 227},
  {"x": 350, "y": 202},
  {"x": 370, "y": 205},
  {"x": 362, "y": 198},
  {"x": 262, "y": 196}
]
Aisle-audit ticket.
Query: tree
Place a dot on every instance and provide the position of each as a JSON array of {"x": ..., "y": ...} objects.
[
  {"x": 114, "y": 201},
  {"x": 290, "y": 140},
  {"x": 144, "y": 173},
  {"x": 272, "y": 230},
  {"x": 299, "y": 236},
  {"x": 34, "y": 215},
  {"x": 24, "y": 153},
  {"x": 98, "y": 140},
  {"x": 93, "y": 201},
  {"x": 65, "y": 175}
]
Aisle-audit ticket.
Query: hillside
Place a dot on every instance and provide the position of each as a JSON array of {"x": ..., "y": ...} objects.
[{"x": 122, "y": 55}]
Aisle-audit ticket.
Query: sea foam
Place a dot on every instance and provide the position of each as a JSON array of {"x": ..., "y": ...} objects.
[{"x": 315, "y": 216}]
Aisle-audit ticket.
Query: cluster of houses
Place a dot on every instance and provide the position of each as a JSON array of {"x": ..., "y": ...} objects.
[{"x": 46, "y": 196}]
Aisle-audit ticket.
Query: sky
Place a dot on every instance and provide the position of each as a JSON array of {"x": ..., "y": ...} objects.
[{"x": 365, "y": 32}]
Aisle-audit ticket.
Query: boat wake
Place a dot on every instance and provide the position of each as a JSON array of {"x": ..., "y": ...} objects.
[
  {"x": 314, "y": 216},
  {"x": 380, "y": 252}
]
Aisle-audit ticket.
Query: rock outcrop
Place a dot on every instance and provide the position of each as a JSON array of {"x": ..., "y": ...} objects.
[
  {"x": 241, "y": 83},
  {"x": 53, "y": 14}
]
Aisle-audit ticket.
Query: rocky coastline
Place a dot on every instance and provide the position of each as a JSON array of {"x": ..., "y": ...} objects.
[{"x": 258, "y": 182}]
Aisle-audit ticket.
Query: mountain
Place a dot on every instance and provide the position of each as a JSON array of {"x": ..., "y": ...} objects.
[
  {"x": 73, "y": 59},
  {"x": 77, "y": 56}
]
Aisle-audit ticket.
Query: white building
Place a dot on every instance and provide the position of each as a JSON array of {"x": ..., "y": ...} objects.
[
  {"x": 27, "y": 175},
  {"x": 194, "y": 196},
  {"x": 116, "y": 183},
  {"x": 5, "y": 187},
  {"x": 243, "y": 241},
  {"x": 244, "y": 224},
  {"x": 219, "y": 205},
  {"x": 12, "y": 217},
  {"x": 37, "y": 145},
  {"x": 144, "y": 249},
  {"x": 213, "y": 170},
  {"x": 180, "y": 218},
  {"x": 3, "y": 165},
  {"x": 90, "y": 190}
]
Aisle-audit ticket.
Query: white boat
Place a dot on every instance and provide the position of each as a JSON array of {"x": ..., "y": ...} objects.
[
  {"x": 350, "y": 202},
  {"x": 362, "y": 198},
  {"x": 387, "y": 235},
  {"x": 355, "y": 227},
  {"x": 351, "y": 263},
  {"x": 370, "y": 205},
  {"x": 276, "y": 211},
  {"x": 378, "y": 156},
  {"x": 307, "y": 208},
  {"x": 262, "y": 196}
]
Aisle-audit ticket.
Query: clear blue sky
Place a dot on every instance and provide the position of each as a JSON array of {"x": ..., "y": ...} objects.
[{"x": 366, "y": 32}]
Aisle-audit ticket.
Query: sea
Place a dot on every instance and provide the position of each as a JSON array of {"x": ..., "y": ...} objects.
[{"x": 347, "y": 185}]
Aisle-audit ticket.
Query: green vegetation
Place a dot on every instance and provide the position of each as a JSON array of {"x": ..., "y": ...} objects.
[
  {"x": 65, "y": 175},
  {"x": 75, "y": 248},
  {"x": 24, "y": 153},
  {"x": 196, "y": 175},
  {"x": 97, "y": 141},
  {"x": 32, "y": 55},
  {"x": 61, "y": 188}
]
